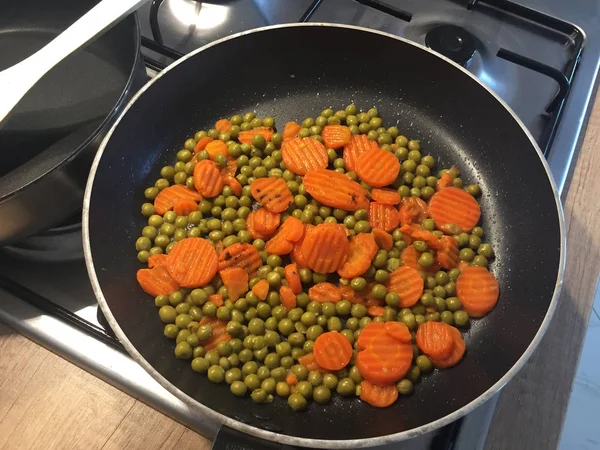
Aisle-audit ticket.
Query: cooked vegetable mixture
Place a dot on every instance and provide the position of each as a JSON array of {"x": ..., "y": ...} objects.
[{"x": 329, "y": 256}]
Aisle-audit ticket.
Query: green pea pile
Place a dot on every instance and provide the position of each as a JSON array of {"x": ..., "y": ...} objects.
[{"x": 267, "y": 339}]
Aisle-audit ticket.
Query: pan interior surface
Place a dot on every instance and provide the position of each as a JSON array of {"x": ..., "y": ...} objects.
[{"x": 456, "y": 120}]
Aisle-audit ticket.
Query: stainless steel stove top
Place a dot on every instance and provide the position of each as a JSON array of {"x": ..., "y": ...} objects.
[{"x": 70, "y": 325}]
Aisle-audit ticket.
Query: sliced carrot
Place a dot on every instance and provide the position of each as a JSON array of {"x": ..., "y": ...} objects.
[
  {"x": 386, "y": 196},
  {"x": 291, "y": 129},
  {"x": 413, "y": 209},
  {"x": 302, "y": 155},
  {"x": 324, "y": 292},
  {"x": 245, "y": 137},
  {"x": 223, "y": 125},
  {"x": 454, "y": 205},
  {"x": 159, "y": 259},
  {"x": 444, "y": 181},
  {"x": 408, "y": 284},
  {"x": 368, "y": 334},
  {"x": 166, "y": 199},
  {"x": 376, "y": 311},
  {"x": 325, "y": 247},
  {"x": 378, "y": 167},
  {"x": 358, "y": 145},
  {"x": 378, "y": 396},
  {"x": 477, "y": 289},
  {"x": 217, "y": 147},
  {"x": 290, "y": 231},
  {"x": 385, "y": 360},
  {"x": 192, "y": 262},
  {"x": 335, "y": 190},
  {"x": 398, "y": 331},
  {"x": 252, "y": 229},
  {"x": 383, "y": 239},
  {"x": 235, "y": 280},
  {"x": 383, "y": 216},
  {"x": 234, "y": 184},
  {"x": 207, "y": 178},
  {"x": 448, "y": 254},
  {"x": 418, "y": 233},
  {"x": 262, "y": 223},
  {"x": 361, "y": 251},
  {"x": 219, "y": 332},
  {"x": 156, "y": 281},
  {"x": 296, "y": 254},
  {"x": 435, "y": 339},
  {"x": 291, "y": 379},
  {"x": 457, "y": 353},
  {"x": 230, "y": 169},
  {"x": 332, "y": 350},
  {"x": 261, "y": 289},
  {"x": 184, "y": 206},
  {"x": 272, "y": 193},
  {"x": 346, "y": 292},
  {"x": 310, "y": 363},
  {"x": 216, "y": 299},
  {"x": 410, "y": 258},
  {"x": 288, "y": 298},
  {"x": 293, "y": 279},
  {"x": 202, "y": 143},
  {"x": 244, "y": 256},
  {"x": 336, "y": 136}
]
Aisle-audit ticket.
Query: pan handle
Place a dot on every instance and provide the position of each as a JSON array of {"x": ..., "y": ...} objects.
[{"x": 229, "y": 439}]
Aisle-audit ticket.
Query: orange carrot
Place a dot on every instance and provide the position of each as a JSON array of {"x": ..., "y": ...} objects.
[
  {"x": 386, "y": 196},
  {"x": 383, "y": 239},
  {"x": 216, "y": 299},
  {"x": 244, "y": 256},
  {"x": 454, "y": 205},
  {"x": 235, "y": 280},
  {"x": 361, "y": 251},
  {"x": 302, "y": 155},
  {"x": 413, "y": 209},
  {"x": 202, "y": 143},
  {"x": 385, "y": 360},
  {"x": 288, "y": 298},
  {"x": 296, "y": 254},
  {"x": 444, "y": 181},
  {"x": 252, "y": 229},
  {"x": 376, "y": 311},
  {"x": 219, "y": 332},
  {"x": 418, "y": 233},
  {"x": 368, "y": 334},
  {"x": 261, "y": 224},
  {"x": 378, "y": 167},
  {"x": 159, "y": 259},
  {"x": 408, "y": 284},
  {"x": 336, "y": 136},
  {"x": 325, "y": 247},
  {"x": 166, "y": 199},
  {"x": 290, "y": 130},
  {"x": 245, "y": 137},
  {"x": 290, "y": 231},
  {"x": 223, "y": 125},
  {"x": 291, "y": 379},
  {"x": 448, "y": 254},
  {"x": 207, "y": 178},
  {"x": 184, "y": 206},
  {"x": 358, "y": 145},
  {"x": 410, "y": 258},
  {"x": 217, "y": 147},
  {"x": 230, "y": 169},
  {"x": 272, "y": 193},
  {"x": 458, "y": 350},
  {"x": 324, "y": 292},
  {"x": 310, "y": 363},
  {"x": 383, "y": 216},
  {"x": 477, "y": 289},
  {"x": 398, "y": 331},
  {"x": 192, "y": 262},
  {"x": 335, "y": 190},
  {"x": 435, "y": 339},
  {"x": 234, "y": 184},
  {"x": 378, "y": 396},
  {"x": 332, "y": 350},
  {"x": 261, "y": 289},
  {"x": 156, "y": 281},
  {"x": 346, "y": 292},
  {"x": 293, "y": 279}
]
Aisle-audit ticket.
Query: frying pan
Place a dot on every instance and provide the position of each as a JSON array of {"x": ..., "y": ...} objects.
[{"x": 310, "y": 67}]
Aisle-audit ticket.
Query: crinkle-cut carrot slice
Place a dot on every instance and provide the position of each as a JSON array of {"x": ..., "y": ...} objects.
[
  {"x": 156, "y": 281},
  {"x": 290, "y": 130},
  {"x": 383, "y": 239},
  {"x": 458, "y": 351},
  {"x": 332, "y": 350},
  {"x": 398, "y": 331},
  {"x": 324, "y": 292},
  {"x": 158, "y": 259},
  {"x": 408, "y": 284},
  {"x": 376, "y": 311},
  {"x": 166, "y": 199},
  {"x": 288, "y": 298},
  {"x": 244, "y": 256},
  {"x": 477, "y": 289},
  {"x": 418, "y": 233},
  {"x": 357, "y": 146},
  {"x": 290, "y": 232},
  {"x": 385, "y": 360},
  {"x": 310, "y": 363},
  {"x": 296, "y": 254},
  {"x": 184, "y": 206},
  {"x": 234, "y": 184},
  {"x": 215, "y": 148},
  {"x": 272, "y": 193},
  {"x": 262, "y": 223},
  {"x": 336, "y": 136},
  {"x": 413, "y": 209},
  {"x": 302, "y": 155},
  {"x": 245, "y": 137},
  {"x": 230, "y": 169},
  {"x": 223, "y": 125},
  {"x": 444, "y": 182},
  {"x": 219, "y": 332},
  {"x": 361, "y": 251},
  {"x": 335, "y": 190},
  {"x": 378, "y": 167},
  {"x": 207, "y": 178},
  {"x": 383, "y": 216},
  {"x": 202, "y": 143},
  {"x": 192, "y": 262},
  {"x": 410, "y": 258},
  {"x": 448, "y": 255},
  {"x": 368, "y": 333},
  {"x": 325, "y": 247},
  {"x": 235, "y": 280},
  {"x": 261, "y": 289},
  {"x": 293, "y": 279},
  {"x": 454, "y": 205},
  {"x": 386, "y": 196},
  {"x": 435, "y": 339},
  {"x": 216, "y": 299},
  {"x": 378, "y": 396}
]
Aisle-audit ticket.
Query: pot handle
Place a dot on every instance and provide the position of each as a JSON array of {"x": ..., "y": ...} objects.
[{"x": 230, "y": 439}]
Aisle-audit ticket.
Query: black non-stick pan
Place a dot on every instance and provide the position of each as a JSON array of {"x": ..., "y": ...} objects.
[{"x": 291, "y": 72}]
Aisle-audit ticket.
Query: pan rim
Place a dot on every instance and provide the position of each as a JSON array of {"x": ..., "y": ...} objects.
[{"x": 280, "y": 437}]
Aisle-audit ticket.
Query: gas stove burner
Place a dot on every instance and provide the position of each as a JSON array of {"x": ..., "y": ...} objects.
[{"x": 453, "y": 42}]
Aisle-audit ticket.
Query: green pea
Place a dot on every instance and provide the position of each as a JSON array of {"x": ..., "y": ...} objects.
[
  {"x": 426, "y": 259},
  {"x": 346, "y": 387},
  {"x": 486, "y": 251},
  {"x": 382, "y": 276},
  {"x": 358, "y": 310},
  {"x": 334, "y": 324},
  {"x": 167, "y": 314},
  {"x": 313, "y": 332},
  {"x": 358, "y": 284},
  {"x": 424, "y": 364},
  {"x": 343, "y": 307},
  {"x": 420, "y": 246}
]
